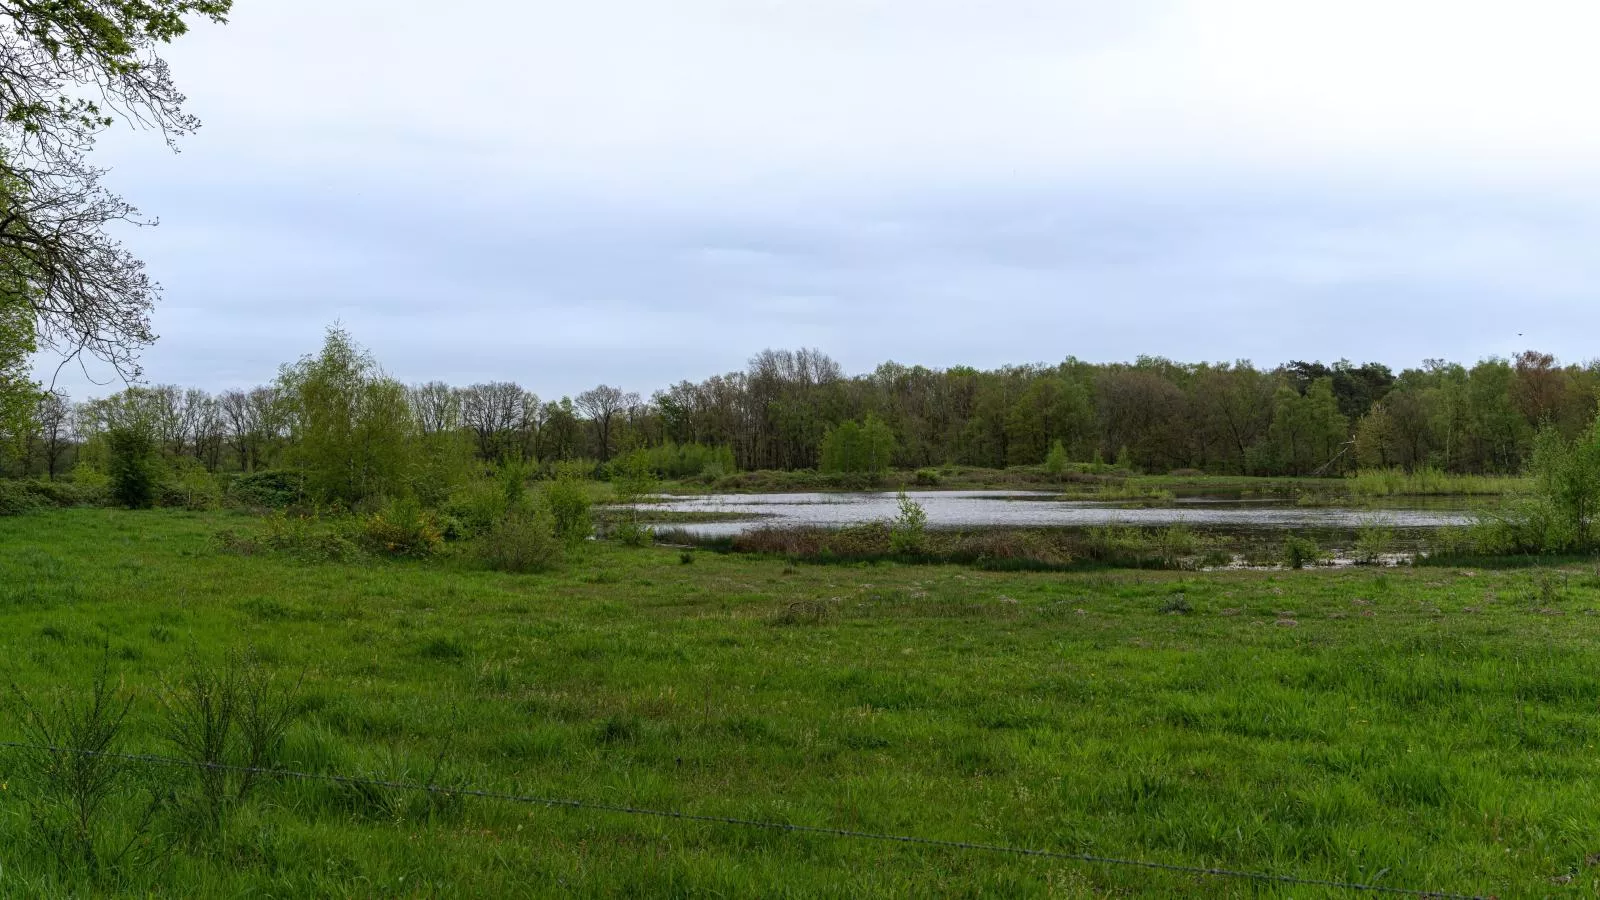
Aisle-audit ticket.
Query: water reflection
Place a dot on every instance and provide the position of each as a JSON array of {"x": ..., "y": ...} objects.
[{"x": 1033, "y": 509}]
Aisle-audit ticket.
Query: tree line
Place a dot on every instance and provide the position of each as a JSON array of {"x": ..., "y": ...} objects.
[{"x": 799, "y": 410}]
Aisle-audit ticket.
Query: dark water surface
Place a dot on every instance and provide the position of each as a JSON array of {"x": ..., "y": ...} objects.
[{"x": 1033, "y": 509}]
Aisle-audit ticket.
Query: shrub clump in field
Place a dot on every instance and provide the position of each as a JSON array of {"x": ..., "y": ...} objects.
[
  {"x": 1299, "y": 552},
  {"x": 17, "y": 498},
  {"x": 133, "y": 465},
  {"x": 403, "y": 528},
  {"x": 633, "y": 483},
  {"x": 1177, "y": 605},
  {"x": 191, "y": 487},
  {"x": 474, "y": 507},
  {"x": 569, "y": 504},
  {"x": 1373, "y": 540},
  {"x": 228, "y": 720},
  {"x": 927, "y": 478},
  {"x": 311, "y": 538},
  {"x": 909, "y": 531},
  {"x": 270, "y": 489},
  {"x": 522, "y": 542},
  {"x": 806, "y": 612},
  {"x": 1055, "y": 463}
]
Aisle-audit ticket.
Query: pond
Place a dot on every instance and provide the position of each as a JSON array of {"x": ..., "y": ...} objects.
[{"x": 1034, "y": 509}]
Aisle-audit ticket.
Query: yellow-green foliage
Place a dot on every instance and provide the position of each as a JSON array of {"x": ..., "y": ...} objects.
[
  {"x": 403, "y": 528},
  {"x": 353, "y": 432},
  {"x": 522, "y": 541},
  {"x": 1429, "y": 481}
]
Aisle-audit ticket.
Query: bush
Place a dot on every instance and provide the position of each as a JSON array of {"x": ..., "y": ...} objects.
[
  {"x": 1172, "y": 547},
  {"x": 568, "y": 503},
  {"x": 477, "y": 505},
  {"x": 513, "y": 474},
  {"x": 631, "y": 533},
  {"x": 522, "y": 542},
  {"x": 633, "y": 483},
  {"x": 673, "y": 460},
  {"x": 909, "y": 530},
  {"x": 927, "y": 478},
  {"x": 308, "y": 537},
  {"x": 132, "y": 467},
  {"x": 1056, "y": 462},
  {"x": 1299, "y": 551},
  {"x": 270, "y": 489},
  {"x": 70, "y": 493},
  {"x": 404, "y": 528},
  {"x": 1372, "y": 540},
  {"x": 191, "y": 487},
  {"x": 1562, "y": 513},
  {"x": 18, "y": 497}
]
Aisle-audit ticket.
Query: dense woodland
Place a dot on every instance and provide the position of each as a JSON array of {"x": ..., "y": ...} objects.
[{"x": 1158, "y": 415}]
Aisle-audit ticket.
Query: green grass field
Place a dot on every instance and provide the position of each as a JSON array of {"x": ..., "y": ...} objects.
[{"x": 1429, "y": 728}]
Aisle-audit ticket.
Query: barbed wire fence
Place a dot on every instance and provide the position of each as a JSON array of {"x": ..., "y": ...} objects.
[{"x": 732, "y": 821}]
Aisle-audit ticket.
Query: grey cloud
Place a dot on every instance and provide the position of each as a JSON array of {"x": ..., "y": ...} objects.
[{"x": 639, "y": 192}]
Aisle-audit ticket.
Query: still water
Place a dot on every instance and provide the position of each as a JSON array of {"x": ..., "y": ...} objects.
[{"x": 1030, "y": 509}]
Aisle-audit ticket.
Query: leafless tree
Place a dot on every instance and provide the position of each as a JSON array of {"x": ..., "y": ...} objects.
[
  {"x": 601, "y": 405},
  {"x": 436, "y": 406},
  {"x": 251, "y": 424},
  {"x": 67, "y": 72},
  {"x": 54, "y": 420},
  {"x": 500, "y": 415},
  {"x": 204, "y": 425}
]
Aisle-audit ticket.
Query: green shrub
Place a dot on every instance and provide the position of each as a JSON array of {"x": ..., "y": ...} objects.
[
  {"x": 1056, "y": 462},
  {"x": 1373, "y": 539},
  {"x": 191, "y": 487},
  {"x": 927, "y": 478},
  {"x": 673, "y": 460},
  {"x": 1177, "y": 541},
  {"x": 1562, "y": 511},
  {"x": 908, "y": 532},
  {"x": 18, "y": 498},
  {"x": 630, "y": 532},
  {"x": 132, "y": 467},
  {"x": 1298, "y": 552},
  {"x": 311, "y": 538},
  {"x": 521, "y": 542},
  {"x": 477, "y": 505},
  {"x": 1125, "y": 545},
  {"x": 632, "y": 482},
  {"x": 403, "y": 528},
  {"x": 70, "y": 493},
  {"x": 270, "y": 489},
  {"x": 568, "y": 503},
  {"x": 513, "y": 474}
]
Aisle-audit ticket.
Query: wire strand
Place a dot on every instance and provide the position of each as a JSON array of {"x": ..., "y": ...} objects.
[{"x": 564, "y": 803}]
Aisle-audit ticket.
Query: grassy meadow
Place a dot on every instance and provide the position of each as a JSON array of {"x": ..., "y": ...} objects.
[{"x": 1425, "y": 728}]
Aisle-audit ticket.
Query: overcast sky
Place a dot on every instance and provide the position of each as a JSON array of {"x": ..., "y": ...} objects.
[{"x": 640, "y": 191}]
